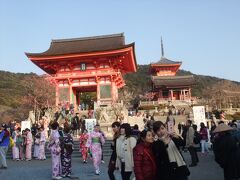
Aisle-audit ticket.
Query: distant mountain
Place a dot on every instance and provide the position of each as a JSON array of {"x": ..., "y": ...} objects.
[{"x": 14, "y": 87}]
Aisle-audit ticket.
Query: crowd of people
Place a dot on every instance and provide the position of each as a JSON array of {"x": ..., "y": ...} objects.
[{"x": 154, "y": 153}]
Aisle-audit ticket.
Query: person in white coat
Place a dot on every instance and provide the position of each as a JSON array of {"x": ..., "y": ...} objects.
[{"x": 124, "y": 148}]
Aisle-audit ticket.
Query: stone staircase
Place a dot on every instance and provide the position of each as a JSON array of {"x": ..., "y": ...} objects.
[{"x": 107, "y": 151}]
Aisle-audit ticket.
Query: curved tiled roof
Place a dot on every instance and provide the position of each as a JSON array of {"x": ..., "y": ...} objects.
[
  {"x": 172, "y": 81},
  {"x": 84, "y": 45},
  {"x": 165, "y": 61}
]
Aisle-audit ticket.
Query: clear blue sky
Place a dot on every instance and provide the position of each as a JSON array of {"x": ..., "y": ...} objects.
[{"x": 204, "y": 34}]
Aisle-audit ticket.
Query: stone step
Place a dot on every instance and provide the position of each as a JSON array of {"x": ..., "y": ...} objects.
[{"x": 107, "y": 151}]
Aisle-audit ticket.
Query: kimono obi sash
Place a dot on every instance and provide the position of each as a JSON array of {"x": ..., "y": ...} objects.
[{"x": 95, "y": 140}]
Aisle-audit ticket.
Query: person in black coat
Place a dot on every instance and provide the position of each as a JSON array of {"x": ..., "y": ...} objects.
[
  {"x": 227, "y": 152},
  {"x": 112, "y": 162},
  {"x": 169, "y": 161}
]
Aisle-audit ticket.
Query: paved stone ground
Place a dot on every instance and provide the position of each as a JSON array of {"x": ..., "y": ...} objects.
[{"x": 207, "y": 169}]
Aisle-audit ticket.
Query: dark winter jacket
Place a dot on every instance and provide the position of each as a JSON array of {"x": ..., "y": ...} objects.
[
  {"x": 165, "y": 169},
  {"x": 227, "y": 155}
]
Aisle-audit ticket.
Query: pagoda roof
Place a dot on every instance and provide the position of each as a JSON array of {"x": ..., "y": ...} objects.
[
  {"x": 173, "y": 81},
  {"x": 83, "y": 45},
  {"x": 164, "y": 61}
]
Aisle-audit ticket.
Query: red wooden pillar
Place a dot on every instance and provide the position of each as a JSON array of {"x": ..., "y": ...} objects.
[
  {"x": 113, "y": 89},
  {"x": 57, "y": 95},
  {"x": 171, "y": 91},
  {"x": 98, "y": 90},
  {"x": 184, "y": 95},
  {"x": 181, "y": 94},
  {"x": 75, "y": 99},
  {"x": 160, "y": 94},
  {"x": 190, "y": 93},
  {"x": 70, "y": 93}
]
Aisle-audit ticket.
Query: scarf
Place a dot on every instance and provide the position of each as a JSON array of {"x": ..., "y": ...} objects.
[{"x": 174, "y": 154}]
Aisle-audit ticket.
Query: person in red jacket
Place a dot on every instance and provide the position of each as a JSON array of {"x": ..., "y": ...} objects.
[{"x": 144, "y": 161}]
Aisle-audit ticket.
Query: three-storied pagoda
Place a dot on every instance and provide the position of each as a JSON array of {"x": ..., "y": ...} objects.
[
  {"x": 89, "y": 64},
  {"x": 165, "y": 84}
]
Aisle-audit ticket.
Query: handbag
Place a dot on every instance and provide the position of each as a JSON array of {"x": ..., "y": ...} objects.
[{"x": 11, "y": 142}]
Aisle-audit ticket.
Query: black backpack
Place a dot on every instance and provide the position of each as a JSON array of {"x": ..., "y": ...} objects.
[{"x": 197, "y": 137}]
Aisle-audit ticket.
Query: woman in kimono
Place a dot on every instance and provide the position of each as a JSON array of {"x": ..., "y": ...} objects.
[
  {"x": 41, "y": 153},
  {"x": 54, "y": 147},
  {"x": 94, "y": 143},
  {"x": 28, "y": 142},
  {"x": 23, "y": 145},
  {"x": 66, "y": 153},
  {"x": 36, "y": 144},
  {"x": 83, "y": 147},
  {"x": 15, "y": 148}
]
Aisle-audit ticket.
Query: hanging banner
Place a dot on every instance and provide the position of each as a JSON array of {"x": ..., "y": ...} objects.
[
  {"x": 90, "y": 123},
  {"x": 25, "y": 124},
  {"x": 199, "y": 115}
]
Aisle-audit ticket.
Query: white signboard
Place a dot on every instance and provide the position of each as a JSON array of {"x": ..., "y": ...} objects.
[
  {"x": 199, "y": 115},
  {"x": 25, "y": 124},
  {"x": 90, "y": 123}
]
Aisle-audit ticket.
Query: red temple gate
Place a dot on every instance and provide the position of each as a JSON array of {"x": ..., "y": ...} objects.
[{"x": 90, "y": 64}]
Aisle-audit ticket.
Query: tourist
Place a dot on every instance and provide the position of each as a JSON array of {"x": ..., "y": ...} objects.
[
  {"x": 227, "y": 152},
  {"x": 66, "y": 123},
  {"x": 150, "y": 123},
  {"x": 170, "y": 122},
  {"x": 15, "y": 148},
  {"x": 204, "y": 138},
  {"x": 4, "y": 143},
  {"x": 136, "y": 132},
  {"x": 112, "y": 162},
  {"x": 179, "y": 128},
  {"x": 75, "y": 125},
  {"x": 170, "y": 162},
  {"x": 66, "y": 153},
  {"x": 124, "y": 148},
  {"x": 144, "y": 160},
  {"x": 36, "y": 144},
  {"x": 23, "y": 145},
  {"x": 41, "y": 152},
  {"x": 46, "y": 126},
  {"x": 94, "y": 142},
  {"x": 54, "y": 147},
  {"x": 28, "y": 142},
  {"x": 19, "y": 143},
  {"x": 83, "y": 145},
  {"x": 213, "y": 127},
  {"x": 184, "y": 135},
  {"x": 190, "y": 143},
  {"x": 103, "y": 134}
]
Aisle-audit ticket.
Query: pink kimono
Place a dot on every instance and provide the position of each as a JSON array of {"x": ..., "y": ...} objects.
[
  {"x": 41, "y": 151},
  {"x": 29, "y": 142},
  {"x": 95, "y": 141},
  {"x": 54, "y": 147}
]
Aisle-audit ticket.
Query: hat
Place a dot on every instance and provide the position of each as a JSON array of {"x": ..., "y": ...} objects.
[
  {"x": 4, "y": 126},
  {"x": 222, "y": 128}
]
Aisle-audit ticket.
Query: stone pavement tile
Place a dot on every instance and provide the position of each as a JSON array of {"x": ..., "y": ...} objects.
[{"x": 207, "y": 169}]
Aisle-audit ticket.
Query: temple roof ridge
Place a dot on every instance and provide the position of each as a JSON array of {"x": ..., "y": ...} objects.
[
  {"x": 172, "y": 77},
  {"x": 89, "y": 38},
  {"x": 164, "y": 61},
  {"x": 84, "y": 45}
]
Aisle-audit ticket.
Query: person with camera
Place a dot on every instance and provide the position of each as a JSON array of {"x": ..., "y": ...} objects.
[{"x": 169, "y": 160}]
